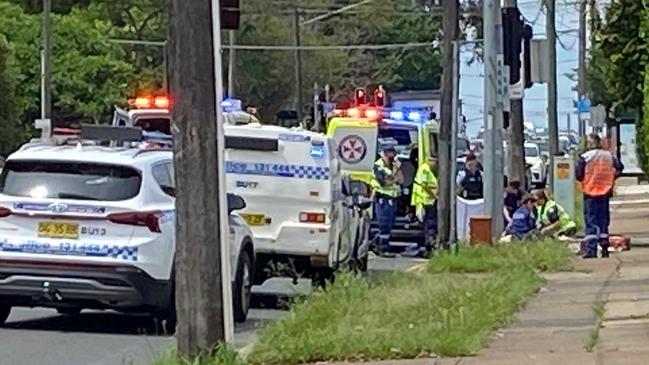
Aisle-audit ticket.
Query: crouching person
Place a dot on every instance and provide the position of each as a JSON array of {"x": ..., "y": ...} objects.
[
  {"x": 552, "y": 218},
  {"x": 523, "y": 221}
]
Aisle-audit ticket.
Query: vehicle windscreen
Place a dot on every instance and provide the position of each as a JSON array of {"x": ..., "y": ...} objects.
[
  {"x": 531, "y": 152},
  {"x": 69, "y": 180},
  {"x": 404, "y": 138},
  {"x": 153, "y": 124}
]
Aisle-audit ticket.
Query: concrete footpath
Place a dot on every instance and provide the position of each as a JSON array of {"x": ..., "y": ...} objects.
[{"x": 560, "y": 325}]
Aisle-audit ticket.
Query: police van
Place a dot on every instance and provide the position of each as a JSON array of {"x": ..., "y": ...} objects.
[{"x": 298, "y": 206}]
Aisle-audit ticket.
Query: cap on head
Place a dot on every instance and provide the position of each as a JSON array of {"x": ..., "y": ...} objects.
[{"x": 388, "y": 147}]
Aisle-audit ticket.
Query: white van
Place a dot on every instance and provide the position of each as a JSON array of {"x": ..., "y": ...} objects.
[{"x": 296, "y": 204}]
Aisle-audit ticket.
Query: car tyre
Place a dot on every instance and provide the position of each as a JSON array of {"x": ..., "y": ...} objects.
[
  {"x": 242, "y": 287},
  {"x": 5, "y": 311}
]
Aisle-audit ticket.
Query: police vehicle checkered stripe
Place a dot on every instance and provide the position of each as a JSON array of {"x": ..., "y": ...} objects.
[
  {"x": 311, "y": 172},
  {"x": 126, "y": 253},
  {"x": 278, "y": 170}
]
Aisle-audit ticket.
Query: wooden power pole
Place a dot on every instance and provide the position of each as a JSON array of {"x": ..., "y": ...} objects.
[
  {"x": 199, "y": 301},
  {"x": 553, "y": 126},
  {"x": 446, "y": 156}
]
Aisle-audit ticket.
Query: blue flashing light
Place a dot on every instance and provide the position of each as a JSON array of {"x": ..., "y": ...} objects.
[
  {"x": 414, "y": 116},
  {"x": 231, "y": 105},
  {"x": 317, "y": 151},
  {"x": 396, "y": 115}
]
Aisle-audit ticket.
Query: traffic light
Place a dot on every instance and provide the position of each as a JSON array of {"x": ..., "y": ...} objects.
[
  {"x": 512, "y": 42},
  {"x": 379, "y": 96},
  {"x": 527, "y": 61},
  {"x": 360, "y": 96},
  {"x": 230, "y": 14}
]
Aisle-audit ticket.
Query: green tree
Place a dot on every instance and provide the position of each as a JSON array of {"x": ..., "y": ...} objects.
[
  {"x": 13, "y": 132},
  {"x": 89, "y": 75}
]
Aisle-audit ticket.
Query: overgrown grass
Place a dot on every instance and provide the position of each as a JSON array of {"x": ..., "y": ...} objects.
[
  {"x": 404, "y": 315},
  {"x": 222, "y": 355},
  {"x": 593, "y": 338},
  {"x": 545, "y": 255}
]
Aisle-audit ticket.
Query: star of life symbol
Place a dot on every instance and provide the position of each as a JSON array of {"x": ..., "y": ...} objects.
[{"x": 352, "y": 149}]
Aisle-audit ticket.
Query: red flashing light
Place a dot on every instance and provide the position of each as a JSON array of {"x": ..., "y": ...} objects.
[
  {"x": 353, "y": 113},
  {"x": 150, "y": 102},
  {"x": 371, "y": 113},
  {"x": 360, "y": 96},
  {"x": 161, "y": 102},
  {"x": 66, "y": 132}
]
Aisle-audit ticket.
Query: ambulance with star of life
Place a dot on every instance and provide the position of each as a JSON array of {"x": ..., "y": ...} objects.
[
  {"x": 359, "y": 132},
  {"x": 298, "y": 204}
]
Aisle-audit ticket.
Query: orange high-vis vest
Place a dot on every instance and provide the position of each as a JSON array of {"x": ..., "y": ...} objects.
[{"x": 599, "y": 174}]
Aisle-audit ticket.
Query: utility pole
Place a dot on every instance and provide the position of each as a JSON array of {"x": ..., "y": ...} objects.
[
  {"x": 454, "y": 134},
  {"x": 298, "y": 60},
  {"x": 553, "y": 127},
  {"x": 581, "y": 85},
  {"x": 199, "y": 283},
  {"x": 569, "y": 123},
  {"x": 515, "y": 150},
  {"x": 46, "y": 68},
  {"x": 496, "y": 93},
  {"x": 446, "y": 156},
  {"x": 231, "y": 64}
]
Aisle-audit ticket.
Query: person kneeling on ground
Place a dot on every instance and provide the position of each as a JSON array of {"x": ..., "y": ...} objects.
[
  {"x": 523, "y": 221},
  {"x": 552, "y": 218}
]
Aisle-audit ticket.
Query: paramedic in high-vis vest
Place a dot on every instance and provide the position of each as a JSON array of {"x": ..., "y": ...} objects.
[
  {"x": 424, "y": 195},
  {"x": 597, "y": 171},
  {"x": 386, "y": 185},
  {"x": 552, "y": 218}
]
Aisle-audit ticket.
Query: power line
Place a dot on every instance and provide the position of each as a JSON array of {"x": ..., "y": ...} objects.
[{"x": 250, "y": 47}]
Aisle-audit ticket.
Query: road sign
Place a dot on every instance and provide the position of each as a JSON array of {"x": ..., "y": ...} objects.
[
  {"x": 328, "y": 107},
  {"x": 584, "y": 105},
  {"x": 516, "y": 91},
  {"x": 598, "y": 116}
]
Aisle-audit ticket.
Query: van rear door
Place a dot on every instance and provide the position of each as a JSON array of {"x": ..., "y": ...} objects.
[
  {"x": 284, "y": 180},
  {"x": 356, "y": 145}
]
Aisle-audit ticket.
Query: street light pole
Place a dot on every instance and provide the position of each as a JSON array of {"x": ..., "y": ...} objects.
[
  {"x": 46, "y": 64},
  {"x": 298, "y": 61},
  {"x": 231, "y": 62}
]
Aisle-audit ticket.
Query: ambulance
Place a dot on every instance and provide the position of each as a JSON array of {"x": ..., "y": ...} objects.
[
  {"x": 297, "y": 206},
  {"x": 359, "y": 132}
]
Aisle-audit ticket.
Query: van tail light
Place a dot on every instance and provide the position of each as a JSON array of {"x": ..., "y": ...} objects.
[
  {"x": 150, "y": 220},
  {"x": 5, "y": 212},
  {"x": 306, "y": 217}
]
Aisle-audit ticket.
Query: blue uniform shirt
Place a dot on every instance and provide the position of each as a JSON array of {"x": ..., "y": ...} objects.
[{"x": 523, "y": 222}]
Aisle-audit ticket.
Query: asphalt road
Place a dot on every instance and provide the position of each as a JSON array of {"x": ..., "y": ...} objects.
[{"x": 42, "y": 336}]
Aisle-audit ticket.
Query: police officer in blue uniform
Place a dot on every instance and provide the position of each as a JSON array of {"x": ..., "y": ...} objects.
[{"x": 469, "y": 180}]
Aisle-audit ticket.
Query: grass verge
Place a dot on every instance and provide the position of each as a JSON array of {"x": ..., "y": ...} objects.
[
  {"x": 545, "y": 255},
  {"x": 222, "y": 355},
  {"x": 593, "y": 338},
  {"x": 403, "y": 315}
]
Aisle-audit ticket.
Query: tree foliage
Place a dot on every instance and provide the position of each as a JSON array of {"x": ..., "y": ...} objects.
[
  {"x": 89, "y": 74},
  {"x": 12, "y": 130}
]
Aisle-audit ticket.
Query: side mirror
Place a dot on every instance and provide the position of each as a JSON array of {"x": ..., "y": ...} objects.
[
  {"x": 358, "y": 188},
  {"x": 235, "y": 202},
  {"x": 169, "y": 190}
]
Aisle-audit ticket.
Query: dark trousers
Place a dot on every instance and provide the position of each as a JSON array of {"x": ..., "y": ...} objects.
[
  {"x": 597, "y": 217},
  {"x": 430, "y": 226},
  {"x": 385, "y": 210}
]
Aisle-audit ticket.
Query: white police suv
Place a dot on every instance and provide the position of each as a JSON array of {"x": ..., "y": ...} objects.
[{"x": 90, "y": 226}]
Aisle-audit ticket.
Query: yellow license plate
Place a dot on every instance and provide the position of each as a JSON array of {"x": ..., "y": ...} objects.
[
  {"x": 58, "y": 230},
  {"x": 254, "y": 219}
]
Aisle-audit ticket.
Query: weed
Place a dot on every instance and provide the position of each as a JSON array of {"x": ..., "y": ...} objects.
[{"x": 593, "y": 338}]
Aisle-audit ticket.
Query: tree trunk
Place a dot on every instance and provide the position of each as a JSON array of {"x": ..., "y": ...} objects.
[
  {"x": 197, "y": 262},
  {"x": 515, "y": 147},
  {"x": 446, "y": 156}
]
